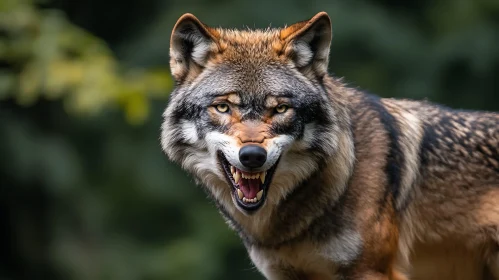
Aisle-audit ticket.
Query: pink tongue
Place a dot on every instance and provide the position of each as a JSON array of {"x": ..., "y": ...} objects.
[{"x": 249, "y": 187}]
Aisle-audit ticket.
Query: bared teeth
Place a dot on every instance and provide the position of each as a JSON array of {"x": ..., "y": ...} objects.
[
  {"x": 259, "y": 195},
  {"x": 262, "y": 176},
  {"x": 249, "y": 200},
  {"x": 252, "y": 175},
  {"x": 237, "y": 176}
]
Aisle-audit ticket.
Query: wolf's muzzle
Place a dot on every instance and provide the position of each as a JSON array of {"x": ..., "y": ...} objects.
[{"x": 252, "y": 156}]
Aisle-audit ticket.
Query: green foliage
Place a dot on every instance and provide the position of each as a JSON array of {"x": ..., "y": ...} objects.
[
  {"x": 54, "y": 59},
  {"x": 86, "y": 193}
]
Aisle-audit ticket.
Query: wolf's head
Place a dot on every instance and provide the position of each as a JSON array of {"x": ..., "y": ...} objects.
[{"x": 251, "y": 117}]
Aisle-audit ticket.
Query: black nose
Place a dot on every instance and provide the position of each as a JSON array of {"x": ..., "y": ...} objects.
[{"x": 252, "y": 156}]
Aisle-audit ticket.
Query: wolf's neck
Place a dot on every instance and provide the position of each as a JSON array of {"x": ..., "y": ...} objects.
[{"x": 300, "y": 214}]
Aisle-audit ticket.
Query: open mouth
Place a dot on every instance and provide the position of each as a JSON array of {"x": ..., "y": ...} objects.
[{"x": 248, "y": 188}]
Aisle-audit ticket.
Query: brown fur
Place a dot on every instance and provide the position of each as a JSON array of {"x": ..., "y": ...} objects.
[{"x": 440, "y": 222}]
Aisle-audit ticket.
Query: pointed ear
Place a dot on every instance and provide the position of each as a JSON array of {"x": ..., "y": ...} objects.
[
  {"x": 191, "y": 44},
  {"x": 307, "y": 43}
]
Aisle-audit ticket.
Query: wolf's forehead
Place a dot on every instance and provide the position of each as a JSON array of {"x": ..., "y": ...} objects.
[
  {"x": 256, "y": 81},
  {"x": 249, "y": 64}
]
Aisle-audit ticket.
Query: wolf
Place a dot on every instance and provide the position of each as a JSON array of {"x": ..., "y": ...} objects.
[{"x": 324, "y": 181}]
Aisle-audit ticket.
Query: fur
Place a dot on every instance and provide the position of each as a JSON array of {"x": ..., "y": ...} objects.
[{"x": 363, "y": 187}]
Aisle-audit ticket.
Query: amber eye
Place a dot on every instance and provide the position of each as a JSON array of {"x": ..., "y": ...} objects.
[
  {"x": 222, "y": 108},
  {"x": 281, "y": 109}
]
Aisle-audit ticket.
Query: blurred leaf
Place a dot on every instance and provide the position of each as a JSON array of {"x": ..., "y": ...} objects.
[{"x": 61, "y": 61}]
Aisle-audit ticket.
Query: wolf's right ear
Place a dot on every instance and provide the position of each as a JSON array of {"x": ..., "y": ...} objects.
[
  {"x": 191, "y": 44},
  {"x": 307, "y": 43}
]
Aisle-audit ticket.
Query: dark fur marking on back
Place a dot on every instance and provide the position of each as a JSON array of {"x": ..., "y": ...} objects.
[
  {"x": 396, "y": 157},
  {"x": 428, "y": 143}
]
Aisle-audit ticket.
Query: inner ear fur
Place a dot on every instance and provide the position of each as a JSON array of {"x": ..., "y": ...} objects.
[
  {"x": 307, "y": 43},
  {"x": 191, "y": 43}
]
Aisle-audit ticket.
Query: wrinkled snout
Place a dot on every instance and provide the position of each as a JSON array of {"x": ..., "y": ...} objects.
[{"x": 252, "y": 156}]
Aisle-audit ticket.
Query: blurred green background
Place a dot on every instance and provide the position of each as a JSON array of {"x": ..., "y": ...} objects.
[{"x": 85, "y": 191}]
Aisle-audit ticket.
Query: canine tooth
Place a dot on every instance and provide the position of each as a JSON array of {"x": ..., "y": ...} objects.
[
  {"x": 262, "y": 176},
  {"x": 259, "y": 195},
  {"x": 240, "y": 194},
  {"x": 232, "y": 169},
  {"x": 237, "y": 176}
]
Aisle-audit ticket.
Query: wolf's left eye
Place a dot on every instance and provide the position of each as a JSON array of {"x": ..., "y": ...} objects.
[
  {"x": 222, "y": 108},
  {"x": 281, "y": 109}
]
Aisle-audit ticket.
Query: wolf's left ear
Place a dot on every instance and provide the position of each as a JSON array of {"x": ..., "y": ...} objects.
[
  {"x": 307, "y": 43},
  {"x": 191, "y": 44}
]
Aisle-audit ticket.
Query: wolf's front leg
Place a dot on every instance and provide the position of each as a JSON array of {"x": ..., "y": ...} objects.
[
  {"x": 375, "y": 275},
  {"x": 379, "y": 257},
  {"x": 494, "y": 266},
  {"x": 366, "y": 275}
]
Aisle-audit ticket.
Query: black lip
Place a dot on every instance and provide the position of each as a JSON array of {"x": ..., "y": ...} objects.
[{"x": 268, "y": 179}]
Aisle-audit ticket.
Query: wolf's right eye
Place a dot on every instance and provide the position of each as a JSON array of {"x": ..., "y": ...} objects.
[
  {"x": 281, "y": 108},
  {"x": 222, "y": 108}
]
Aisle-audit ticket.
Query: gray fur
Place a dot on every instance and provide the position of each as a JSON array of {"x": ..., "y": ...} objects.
[{"x": 359, "y": 181}]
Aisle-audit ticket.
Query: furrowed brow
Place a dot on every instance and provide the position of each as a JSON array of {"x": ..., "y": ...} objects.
[
  {"x": 231, "y": 97},
  {"x": 218, "y": 94},
  {"x": 285, "y": 94}
]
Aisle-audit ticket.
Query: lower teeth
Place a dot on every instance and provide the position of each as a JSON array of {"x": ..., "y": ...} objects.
[{"x": 253, "y": 200}]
